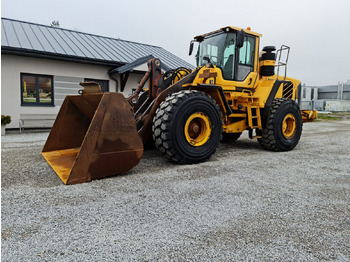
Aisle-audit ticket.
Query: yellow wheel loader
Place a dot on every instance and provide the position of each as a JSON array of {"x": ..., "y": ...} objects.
[{"x": 186, "y": 113}]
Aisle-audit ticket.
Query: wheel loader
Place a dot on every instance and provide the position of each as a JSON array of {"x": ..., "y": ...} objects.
[{"x": 185, "y": 113}]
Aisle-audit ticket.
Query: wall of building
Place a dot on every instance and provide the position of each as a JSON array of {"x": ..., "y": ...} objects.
[
  {"x": 328, "y": 92},
  {"x": 326, "y": 98},
  {"x": 340, "y": 91},
  {"x": 132, "y": 83},
  {"x": 66, "y": 77}
]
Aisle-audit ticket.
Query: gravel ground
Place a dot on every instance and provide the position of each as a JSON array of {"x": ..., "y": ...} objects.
[{"x": 245, "y": 204}]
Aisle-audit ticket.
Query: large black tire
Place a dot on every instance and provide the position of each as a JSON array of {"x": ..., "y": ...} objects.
[
  {"x": 230, "y": 137},
  {"x": 187, "y": 127},
  {"x": 284, "y": 126}
]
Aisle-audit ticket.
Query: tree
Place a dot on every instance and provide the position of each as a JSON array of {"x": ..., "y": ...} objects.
[{"x": 55, "y": 23}]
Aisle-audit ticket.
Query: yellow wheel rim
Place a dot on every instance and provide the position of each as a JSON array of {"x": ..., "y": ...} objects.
[
  {"x": 197, "y": 129},
  {"x": 289, "y": 126}
]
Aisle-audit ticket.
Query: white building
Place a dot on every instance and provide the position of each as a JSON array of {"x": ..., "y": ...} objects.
[{"x": 41, "y": 64}]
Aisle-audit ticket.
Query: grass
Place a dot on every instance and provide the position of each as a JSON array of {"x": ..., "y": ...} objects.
[{"x": 331, "y": 117}]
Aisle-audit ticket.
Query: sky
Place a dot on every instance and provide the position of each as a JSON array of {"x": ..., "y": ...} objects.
[{"x": 317, "y": 31}]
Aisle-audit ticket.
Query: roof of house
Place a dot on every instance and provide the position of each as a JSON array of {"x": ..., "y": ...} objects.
[{"x": 29, "y": 39}]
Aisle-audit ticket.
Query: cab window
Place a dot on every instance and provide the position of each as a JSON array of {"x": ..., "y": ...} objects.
[
  {"x": 228, "y": 65},
  {"x": 246, "y": 58},
  {"x": 210, "y": 50}
]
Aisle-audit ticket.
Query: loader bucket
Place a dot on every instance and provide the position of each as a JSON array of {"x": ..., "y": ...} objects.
[{"x": 94, "y": 136}]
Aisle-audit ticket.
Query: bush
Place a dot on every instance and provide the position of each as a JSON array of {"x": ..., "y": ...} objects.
[{"x": 5, "y": 120}]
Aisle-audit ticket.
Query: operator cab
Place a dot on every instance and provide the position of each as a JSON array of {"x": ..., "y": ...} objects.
[{"x": 231, "y": 49}]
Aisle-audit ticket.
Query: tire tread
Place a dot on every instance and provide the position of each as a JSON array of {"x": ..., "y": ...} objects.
[{"x": 163, "y": 119}]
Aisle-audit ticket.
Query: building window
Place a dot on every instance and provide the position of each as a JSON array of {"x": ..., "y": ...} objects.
[
  {"x": 103, "y": 83},
  {"x": 36, "y": 90}
]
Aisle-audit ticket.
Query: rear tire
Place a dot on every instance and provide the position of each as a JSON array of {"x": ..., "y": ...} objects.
[
  {"x": 187, "y": 127},
  {"x": 284, "y": 126}
]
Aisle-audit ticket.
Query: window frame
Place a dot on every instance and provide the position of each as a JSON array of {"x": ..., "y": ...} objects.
[{"x": 37, "y": 103}]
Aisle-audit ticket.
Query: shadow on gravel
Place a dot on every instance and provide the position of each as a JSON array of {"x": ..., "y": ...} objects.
[{"x": 242, "y": 144}]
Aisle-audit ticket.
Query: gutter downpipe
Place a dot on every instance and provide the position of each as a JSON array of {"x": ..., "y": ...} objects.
[{"x": 115, "y": 79}]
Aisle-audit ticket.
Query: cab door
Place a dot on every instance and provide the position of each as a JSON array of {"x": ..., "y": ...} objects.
[{"x": 247, "y": 74}]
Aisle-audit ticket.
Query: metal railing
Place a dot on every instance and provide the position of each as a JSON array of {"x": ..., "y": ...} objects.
[{"x": 283, "y": 50}]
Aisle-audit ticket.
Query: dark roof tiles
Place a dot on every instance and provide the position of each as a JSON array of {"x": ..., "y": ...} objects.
[{"x": 29, "y": 38}]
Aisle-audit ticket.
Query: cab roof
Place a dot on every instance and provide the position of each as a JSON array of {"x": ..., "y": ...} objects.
[{"x": 228, "y": 28}]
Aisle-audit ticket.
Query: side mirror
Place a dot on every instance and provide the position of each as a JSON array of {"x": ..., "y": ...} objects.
[
  {"x": 240, "y": 39},
  {"x": 191, "y": 48}
]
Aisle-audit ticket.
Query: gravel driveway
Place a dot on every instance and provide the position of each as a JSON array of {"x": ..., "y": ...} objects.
[{"x": 245, "y": 204}]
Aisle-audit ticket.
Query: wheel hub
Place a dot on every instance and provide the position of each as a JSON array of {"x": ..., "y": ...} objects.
[
  {"x": 289, "y": 126},
  {"x": 197, "y": 129}
]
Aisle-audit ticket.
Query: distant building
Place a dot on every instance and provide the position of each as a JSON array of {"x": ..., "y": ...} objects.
[
  {"x": 327, "y": 98},
  {"x": 41, "y": 64}
]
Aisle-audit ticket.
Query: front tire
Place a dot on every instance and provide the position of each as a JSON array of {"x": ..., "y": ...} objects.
[
  {"x": 284, "y": 126},
  {"x": 187, "y": 127}
]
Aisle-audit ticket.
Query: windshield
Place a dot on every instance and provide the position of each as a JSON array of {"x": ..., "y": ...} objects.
[{"x": 219, "y": 50}]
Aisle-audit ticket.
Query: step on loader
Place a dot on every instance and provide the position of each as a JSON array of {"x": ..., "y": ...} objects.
[{"x": 185, "y": 113}]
